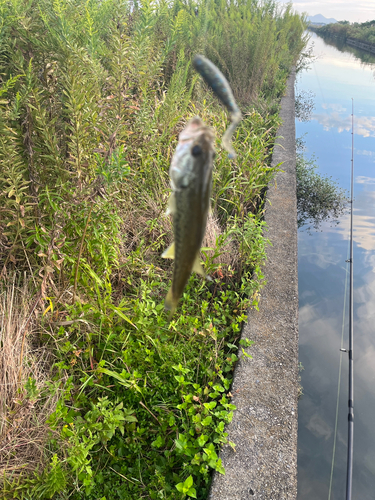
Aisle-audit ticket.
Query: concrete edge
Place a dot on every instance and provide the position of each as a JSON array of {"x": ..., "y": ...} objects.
[{"x": 265, "y": 389}]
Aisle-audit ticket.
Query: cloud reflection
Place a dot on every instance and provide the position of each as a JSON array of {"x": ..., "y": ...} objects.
[
  {"x": 320, "y": 336},
  {"x": 363, "y": 220},
  {"x": 336, "y": 107},
  {"x": 363, "y": 230},
  {"x": 364, "y": 152},
  {"x": 319, "y": 427},
  {"x": 363, "y": 179},
  {"x": 363, "y": 125}
]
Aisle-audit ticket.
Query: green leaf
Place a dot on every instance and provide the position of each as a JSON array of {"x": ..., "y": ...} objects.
[
  {"x": 220, "y": 427},
  {"x": 158, "y": 443},
  {"x": 219, "y": 467},
  {"x": 246, "y": 342},
  {"x": 187, "y": 487},
  {"x": 188, "y": 482},
  {"x": 245, "y": 354},
  {"x": 202, "y": 440},
  {"x": 231, "y": 346},
  {"x": 207, "y": 421},
  {"x": 180, "y": 487},
  {"x": 211, "y": 405},
  {"x": 219, "y": 388},
  {"x": 118, "y": 311},
  {"x": 123, "y": 381},
  {"x": 192, "y": 493}
]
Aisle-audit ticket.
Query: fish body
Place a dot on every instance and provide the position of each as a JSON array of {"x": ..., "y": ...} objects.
[
  {"x": 219, "y": 84},
  {"x": 191, "y": 179}
]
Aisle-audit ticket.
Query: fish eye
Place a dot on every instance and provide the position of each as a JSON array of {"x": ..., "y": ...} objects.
[{"x": 196, "y": 150}]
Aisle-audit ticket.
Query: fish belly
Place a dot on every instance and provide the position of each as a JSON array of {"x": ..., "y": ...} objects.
[{"x": 189, "y": 225}]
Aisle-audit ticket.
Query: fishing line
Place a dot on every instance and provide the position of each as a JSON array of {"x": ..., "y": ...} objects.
[{"x": 339, "y": 378}]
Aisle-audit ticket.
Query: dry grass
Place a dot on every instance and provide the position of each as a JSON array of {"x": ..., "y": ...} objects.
[
  {"x": 136, "y": 229},
  {"x": 147, "y": 224},
  {"x": 229, "y": 255},
  {"x": 23, "y": 428}
]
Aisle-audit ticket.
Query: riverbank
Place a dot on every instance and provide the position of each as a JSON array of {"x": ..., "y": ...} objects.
[
  {"x": 265, "y": 389},
  {"x": 361, "y": 36}
]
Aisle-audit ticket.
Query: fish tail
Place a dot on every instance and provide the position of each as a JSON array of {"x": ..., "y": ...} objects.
[
  {"x": 219, "y": 84},
  {"x": 170, "y": 303},
  {"x": 227, "y": 137}
]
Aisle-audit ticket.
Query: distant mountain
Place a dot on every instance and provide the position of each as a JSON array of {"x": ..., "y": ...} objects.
[{"x": 319, "y": 19}]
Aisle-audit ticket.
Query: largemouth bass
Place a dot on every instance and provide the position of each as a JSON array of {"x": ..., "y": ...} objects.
[
  {"x": 219, "y": 84},
  {"x": 191, "y": 178}
]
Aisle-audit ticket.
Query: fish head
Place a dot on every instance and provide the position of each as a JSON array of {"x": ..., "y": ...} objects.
[{"x": 193, "y": 156}]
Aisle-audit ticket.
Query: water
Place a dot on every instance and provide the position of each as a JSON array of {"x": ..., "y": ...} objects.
[{"x": 339, "y": 74}]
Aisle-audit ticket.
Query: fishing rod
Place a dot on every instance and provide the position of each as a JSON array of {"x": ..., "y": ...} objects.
[{"x": 349, "y": 469}]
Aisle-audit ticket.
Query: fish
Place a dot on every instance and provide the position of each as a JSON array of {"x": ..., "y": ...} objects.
[
  {"x": 219, "y": 84},
  {"x": 191, "y": 178}
]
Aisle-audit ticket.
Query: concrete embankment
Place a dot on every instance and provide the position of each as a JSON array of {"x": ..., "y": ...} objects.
[
  {"x": 265, "y": 389},
  {"x": 369, "y": 47}
]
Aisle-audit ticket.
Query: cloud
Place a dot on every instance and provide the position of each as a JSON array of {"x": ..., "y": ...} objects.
[
  {"x": 363, "y": 125},
  {"x": 359, "y": 11}
]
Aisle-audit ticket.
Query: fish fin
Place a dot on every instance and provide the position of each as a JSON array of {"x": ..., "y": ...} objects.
[
  {"x": 171, "y": 208},
  {"x": 169, "y": 252},
  {"x": 197, "y": 267},
  {"x": 170, "y": 303}
]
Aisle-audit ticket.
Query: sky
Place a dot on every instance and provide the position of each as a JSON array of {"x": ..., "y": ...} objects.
[{"x": 349, "y": 10}]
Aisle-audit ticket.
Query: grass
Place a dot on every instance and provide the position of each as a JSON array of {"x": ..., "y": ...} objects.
[
  {"x": 117, "y": 401},
  {"x": 24, "y": 366}
]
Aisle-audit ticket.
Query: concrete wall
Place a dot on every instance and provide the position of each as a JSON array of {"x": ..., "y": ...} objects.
[
  {"x": 265, "y": 389},
  {"x": 361, "y": 45}
]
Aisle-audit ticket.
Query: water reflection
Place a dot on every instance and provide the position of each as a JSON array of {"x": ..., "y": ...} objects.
[
  {"x": 360, "y": 55},
  {"x": 335, "y": 77},
  {"x": 364, "y": 224},
  {"x": 364, "y": 125}
]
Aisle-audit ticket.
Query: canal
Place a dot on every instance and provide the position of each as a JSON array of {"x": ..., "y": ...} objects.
[{"x": 338, "y": 74}]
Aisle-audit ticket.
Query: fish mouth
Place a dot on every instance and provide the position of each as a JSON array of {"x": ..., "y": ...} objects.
[
  {"x": 195, "y": 144},
  {"x": 195, "y": 128}
]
